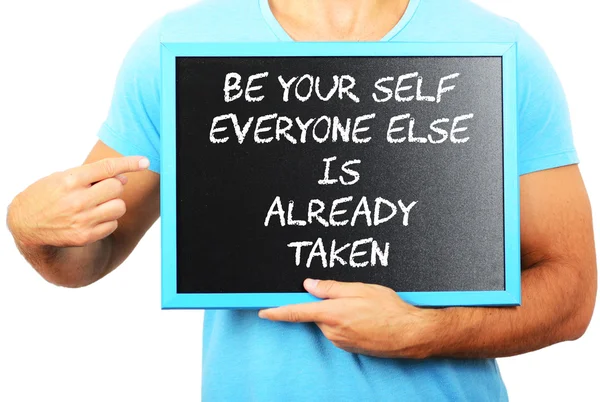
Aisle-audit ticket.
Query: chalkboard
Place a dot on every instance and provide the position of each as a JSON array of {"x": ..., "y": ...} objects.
[{"x": 380, "y": 163}]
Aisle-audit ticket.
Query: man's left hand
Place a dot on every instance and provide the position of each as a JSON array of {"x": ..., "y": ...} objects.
[{"x": 364, "y": 318}]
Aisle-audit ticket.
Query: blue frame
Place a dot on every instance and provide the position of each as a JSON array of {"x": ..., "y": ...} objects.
[{"x": 169, "y": 51}]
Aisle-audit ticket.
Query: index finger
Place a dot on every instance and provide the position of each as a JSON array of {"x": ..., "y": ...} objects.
[
  {"x": 304, "y": 312},
  {"x": 110, "y": 167}
]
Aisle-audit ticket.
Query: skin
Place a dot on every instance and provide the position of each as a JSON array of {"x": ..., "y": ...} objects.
[
  {"x": 338, "y": 20},
  {"x": 64, "y": 228},
  {"x": 76, "y": 226},
  {"x": 558, "y": 291}
]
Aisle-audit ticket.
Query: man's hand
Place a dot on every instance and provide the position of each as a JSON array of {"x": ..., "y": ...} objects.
[
  {"x": 73, "y": 227},
  {"x": 558, "y": 283},
  {"x": 73, "y": 208},
  {"x": 366, "y": 319}
]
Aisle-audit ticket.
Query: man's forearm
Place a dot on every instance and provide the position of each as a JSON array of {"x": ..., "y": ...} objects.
[
  {"x": 65, "y": 266},
  {"x": 70, "y": 266},
  {"x": 557, "y": 303}
]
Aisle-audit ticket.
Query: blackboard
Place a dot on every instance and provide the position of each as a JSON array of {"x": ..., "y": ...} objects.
[{"x": 364, "y": 166}]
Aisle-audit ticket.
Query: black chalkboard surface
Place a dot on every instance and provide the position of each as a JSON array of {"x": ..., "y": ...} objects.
[{"x": 380, "y": 169}]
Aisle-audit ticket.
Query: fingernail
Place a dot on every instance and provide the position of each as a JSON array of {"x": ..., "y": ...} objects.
[
  {"x": 144, "y": 163},
  {"x": 311, "y": 284},
  {"x": 122, "y": 178},
  {"x": 261, "y": 314}
]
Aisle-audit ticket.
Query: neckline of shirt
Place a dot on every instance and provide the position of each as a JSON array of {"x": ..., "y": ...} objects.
[{"x": 282, "y": 35}]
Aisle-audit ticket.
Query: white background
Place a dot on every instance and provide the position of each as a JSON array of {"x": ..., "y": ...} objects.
[{"x": 110, "y": 341}]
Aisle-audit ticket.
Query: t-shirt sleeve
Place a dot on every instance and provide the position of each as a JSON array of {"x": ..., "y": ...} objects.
[
  {"x": 544, "y": 128},
  {"x": 132, "y": 126}
]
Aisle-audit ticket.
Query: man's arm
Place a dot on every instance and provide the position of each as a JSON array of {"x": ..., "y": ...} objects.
[
  {"x": 559, "y": 279},
  {"x": 74, "y": 233},
  {"x": 559, "y": 283}
]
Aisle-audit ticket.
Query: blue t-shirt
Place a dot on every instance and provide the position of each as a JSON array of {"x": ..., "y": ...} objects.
[{"x": 247, "y": 358}]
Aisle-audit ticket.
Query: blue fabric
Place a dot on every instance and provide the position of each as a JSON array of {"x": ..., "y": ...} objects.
[{"x": 246, "y": 358}]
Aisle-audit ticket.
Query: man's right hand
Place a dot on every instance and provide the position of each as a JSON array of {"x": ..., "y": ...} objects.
[{"x": 73, "y": 208}]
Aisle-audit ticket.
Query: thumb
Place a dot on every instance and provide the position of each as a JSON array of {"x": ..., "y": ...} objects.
[{"x": 329, "y": 289}]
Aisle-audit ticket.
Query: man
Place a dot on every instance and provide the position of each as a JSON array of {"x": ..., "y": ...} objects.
[{"x": 362, "y": 343}]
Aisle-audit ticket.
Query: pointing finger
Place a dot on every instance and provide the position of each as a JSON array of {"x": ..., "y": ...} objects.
[
  {"x": 305, "y": 312},
  {"x": 110, "y": 167},
  {"x": 328, "y": 289}
]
